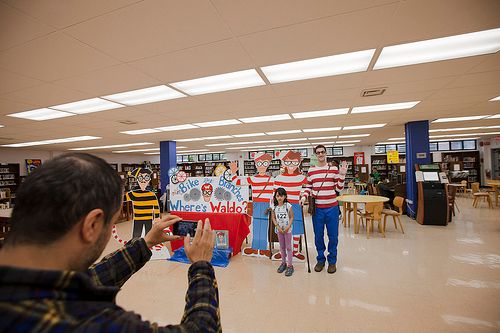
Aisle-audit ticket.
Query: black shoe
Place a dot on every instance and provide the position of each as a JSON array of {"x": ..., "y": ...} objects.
[
  {"x": 289, "y": 271},
  {"x": 319, "y": 266},
  {"x": 332, "y": 268},
  {"x": 282, "y": 268}
]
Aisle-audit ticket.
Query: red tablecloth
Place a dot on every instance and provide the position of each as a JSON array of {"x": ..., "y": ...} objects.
[{"x": 236, "y": 224}]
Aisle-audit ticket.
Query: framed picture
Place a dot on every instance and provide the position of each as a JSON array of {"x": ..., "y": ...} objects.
[
  {"x": 221, "y": 239},
  {"x": 201, "y": 157}
]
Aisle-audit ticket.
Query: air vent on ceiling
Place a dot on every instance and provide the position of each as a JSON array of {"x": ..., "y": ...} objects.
[
  {"x": 128, "y": 122},
  {"x": 373, "y": 92}
]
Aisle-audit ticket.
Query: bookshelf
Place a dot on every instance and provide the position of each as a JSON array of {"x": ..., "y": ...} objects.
[
  {"x": 464, "y": 165},
  {"x": 384, "y": 168},
  {"x": 201, "y": 169},
  {"x": 9, "y": 180}
]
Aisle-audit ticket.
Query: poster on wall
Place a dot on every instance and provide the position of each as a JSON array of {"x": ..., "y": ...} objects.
[
  {"x": 208, "y": 194},
  {"x": 359, "y": 158},
  {"x": 392, "y": 156},
  {"x": 32, "y": 165}
]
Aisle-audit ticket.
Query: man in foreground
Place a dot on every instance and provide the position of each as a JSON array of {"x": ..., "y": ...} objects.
[{"x": 61, "y": 223}]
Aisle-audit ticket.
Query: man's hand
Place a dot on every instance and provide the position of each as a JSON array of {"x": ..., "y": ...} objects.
[
  {"x": 234, "y": 167},
  {"x": 203, "y": 243},
  {"x": 343, "y": 168},
  {"x": 157, "y": 234}
]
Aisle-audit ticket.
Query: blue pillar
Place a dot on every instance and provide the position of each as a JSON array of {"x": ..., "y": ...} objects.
[
  {"x": 168, "y": 160},
  {"x": 417, "y": 144}
]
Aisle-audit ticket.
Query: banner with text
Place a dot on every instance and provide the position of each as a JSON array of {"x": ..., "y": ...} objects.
[{"x": 208, "y": 194}]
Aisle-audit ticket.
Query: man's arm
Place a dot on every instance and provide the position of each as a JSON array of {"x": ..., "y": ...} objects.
[{"x": 117, "y": 267}]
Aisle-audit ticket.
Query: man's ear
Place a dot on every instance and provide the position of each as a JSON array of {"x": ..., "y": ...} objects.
[{"x": 92, "y": 225}]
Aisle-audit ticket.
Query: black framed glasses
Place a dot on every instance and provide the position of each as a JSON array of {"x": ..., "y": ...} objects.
[
  {"x": 144, "y": 178},
  {"x": 288, "y": 163},
  {"x": 262, "y": 163},
  {"x": 321, "y": 152}
]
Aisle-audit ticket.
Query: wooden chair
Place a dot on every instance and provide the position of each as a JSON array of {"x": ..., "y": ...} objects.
[
  {"x": 348, "y": 208},
  {"x": 477, "y": 194},
  {"x": 463, "y": 188},
  {"x": 373, "y": 212},
  {"x": 351, "y": 189},
  {"x": 398, "y": 203},
  {"x": 452, "y": 192}
]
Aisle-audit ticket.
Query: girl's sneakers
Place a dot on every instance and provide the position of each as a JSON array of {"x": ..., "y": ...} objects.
[
  {"x": 289, "y": 271},
  {"x": 282, "y": 268}
]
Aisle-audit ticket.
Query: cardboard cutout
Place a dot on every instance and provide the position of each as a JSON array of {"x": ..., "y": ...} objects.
[
  {"x": 262, "y": 190},
  {"x": 292, "y": 180},
  {"x": 145, "y": 209}
]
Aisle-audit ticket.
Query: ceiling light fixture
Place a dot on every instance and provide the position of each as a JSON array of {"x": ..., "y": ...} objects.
[
  {"x": 453, "y": 47},
  {"x": 384, "y": 107},
  {"x": 41, "y": 114},
  {"x": 363, "y": 126},
  {"x": 345, "y": 145},
  {"x": 88, "y": 106},
  {"x": 495, "y": 99},
  {"x": 217, "y": 137},
  {"x": 324, "y": 129},
  {"x": 114, "y": 146},
  {"x": 146, "y": 95},
  {"x": 189, "y": 140},
  {"x": 248, "y": 135},
  {"x": 218, "y": 123},
  {"x": 266, "y": 118},
  {"x": 319, "y": 67},
  {"x": 52, "y": 141},
  {"x": 134, "y": 150},
  {"x": 454, "y": 139},
  {"x": 494, "y": 117},
  {"x": 349, "y": 141},
  {"x": 222, "y": 82},
  {"x": 284, "y": 132},
  {"x": 323, "y": 137},
  {"x": 141, "y": 131},
  {"x": 176, "y": 128},
  {"x": 445, "y": 120},
  {"x": 322, "y": 113},
  {"x": 291, "y": 140},
  {"x": 353, "y": 136}
]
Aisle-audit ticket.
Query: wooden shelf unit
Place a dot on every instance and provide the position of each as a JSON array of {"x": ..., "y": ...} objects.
[
  {"x": 9, "y": 179},
  {"x": 464, "y": 161}
]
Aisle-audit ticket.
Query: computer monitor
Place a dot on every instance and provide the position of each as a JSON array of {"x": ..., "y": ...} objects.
[{"x": 431, "y": 176}]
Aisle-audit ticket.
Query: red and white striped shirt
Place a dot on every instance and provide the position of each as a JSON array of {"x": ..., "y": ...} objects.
[
  {"x": 292, "y": 184},
  {"x": 326, "y": 197},
  {"x": 262, "y": 186}
]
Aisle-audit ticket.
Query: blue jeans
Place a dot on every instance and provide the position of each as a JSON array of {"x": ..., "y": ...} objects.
[{"x": 328, "y": 217}]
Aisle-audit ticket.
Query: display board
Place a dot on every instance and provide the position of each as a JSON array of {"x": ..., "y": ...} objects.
[{"x": 208, "y": 194}]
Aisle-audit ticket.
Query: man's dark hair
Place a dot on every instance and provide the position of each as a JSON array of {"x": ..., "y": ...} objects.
[
  {"x": 319, "y": 146},
  {"x": 57, "y": 195}
]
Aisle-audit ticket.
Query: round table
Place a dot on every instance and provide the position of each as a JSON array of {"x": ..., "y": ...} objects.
[{"x": 355, "y": 199}]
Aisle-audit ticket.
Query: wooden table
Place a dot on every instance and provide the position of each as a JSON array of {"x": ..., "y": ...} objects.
[
  {"x": 355, "y": 199},
  {"x": 459, "y": 185},
  {"x": 495, "y": 184}
]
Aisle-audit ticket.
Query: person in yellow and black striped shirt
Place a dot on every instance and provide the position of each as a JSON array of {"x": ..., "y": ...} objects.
[{"x": 145, "y": 203}]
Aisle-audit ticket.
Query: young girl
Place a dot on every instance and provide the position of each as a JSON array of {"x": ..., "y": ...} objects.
[{"x": 282, "y": 218}]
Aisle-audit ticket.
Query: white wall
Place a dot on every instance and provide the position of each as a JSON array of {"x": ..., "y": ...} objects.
[
  {"x": 485, "y": 155},
  {"x": 20, "y": 155}
]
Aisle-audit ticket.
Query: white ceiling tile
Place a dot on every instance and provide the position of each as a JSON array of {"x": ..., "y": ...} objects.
[
  {"x": 46, "y": 95},
  {"x": 11, "y": 82},
  {"x": 53, "y": 57},
  {"x": 153, "y": 27}
]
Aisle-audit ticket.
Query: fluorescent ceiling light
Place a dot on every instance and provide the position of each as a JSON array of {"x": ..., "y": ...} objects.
[
  {"x": 241, "y": 143},
  {"x": 41, "y": 114},
  {"x": 324, "y": 129},
  {"x": 142, "y": 131},
  {"x": 114, "y": 146},
  {"x": 390, "y": 143},
  {"x": 88, "y": 106},
  {"x": 221, "y": 82},
  {"x": 284, "y": 132},
  {"x": 453, "y": 47},
  {"x": 216, "y": 145},
  {"x": 319, "y": 67},
  {"x": 152, "y": 153},
  {"x": 134, "y": 150},
  {"x": 299, "y": 144},
  {"x": 246, "y": 147},
  {"x": 396, "y": 139},
  {"x": 363, "y": 126},
  {"x": 146, "y": 95},
  {"x": 248, "y": 135},
  {"x": 266, "y": 118},
  {"x": 217, "y": 137},
  {"x": 322, "y": 113},
  {"x": 176, "y": 128},
  {"x": 494, "y": 117},
  {"x": 218, "y": 123},
  {"x": 455, "y": 139},
  {"x": 444, "y": 120},
  {"x": 461, "y": 134},
  {"x": 353, "y": 136},
  {"x": 277, "y": 146},
  {"x": 495, "y": 99},
  {"x": 496, "y": 126},
  {"x": 192, "y": 151},
  {"x": 189, "y": 140},
  {"x": 345, "y": 145},
  {"x": 53, "y": 141},
  {"x": 323, "y": 138},
  {"x": 350, "y": 141},
  {"x": 456, "y": 129},
  {"x": 291, "y": 140},
  {"x": 266, "y": 141},
  {"x": 2, "y": 126},
  {"x": 384, "y": 107}
]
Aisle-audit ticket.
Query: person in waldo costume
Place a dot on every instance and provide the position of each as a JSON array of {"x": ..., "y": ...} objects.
[
  {"x": 292, "y": 180},
  {"x": 262, "y": 192}
]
